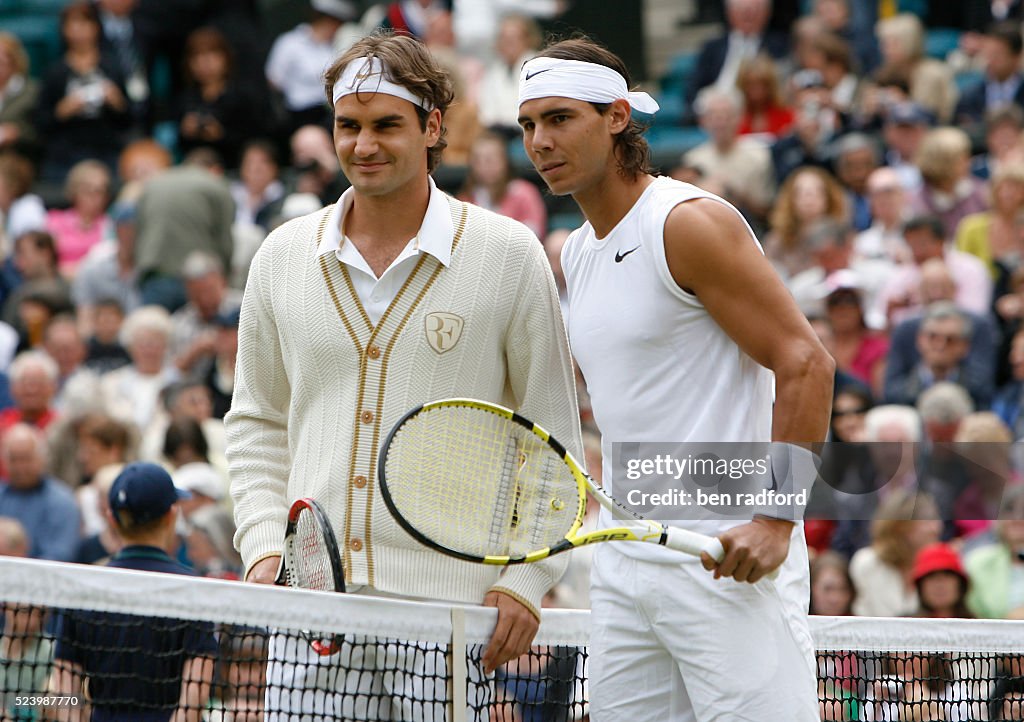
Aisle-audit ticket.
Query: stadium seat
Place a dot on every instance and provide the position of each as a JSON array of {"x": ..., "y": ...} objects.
[
  {"x": 940, "y": 42},
  {"x": 39, "y": 33}
]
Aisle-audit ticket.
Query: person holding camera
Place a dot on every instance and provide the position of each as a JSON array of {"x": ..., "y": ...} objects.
[{"x": 83, "y": 112}]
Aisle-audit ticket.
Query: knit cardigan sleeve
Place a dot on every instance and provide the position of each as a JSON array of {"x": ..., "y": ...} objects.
[
  {"x": 543, "y": 387},
  {"x": 257, "y": 425}
]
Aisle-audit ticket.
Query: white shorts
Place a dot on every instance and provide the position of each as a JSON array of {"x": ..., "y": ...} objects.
[{"x": 671, "y": 643}]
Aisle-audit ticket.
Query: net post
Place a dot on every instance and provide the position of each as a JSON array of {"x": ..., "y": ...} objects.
[{"x": 457, "y": 665}]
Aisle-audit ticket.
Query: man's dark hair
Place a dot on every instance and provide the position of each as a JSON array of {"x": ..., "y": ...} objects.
[
  {"x": 933, "y": 224},
  {"x": 631, "y": 148},
  {"x": 1008, "y": 33}
]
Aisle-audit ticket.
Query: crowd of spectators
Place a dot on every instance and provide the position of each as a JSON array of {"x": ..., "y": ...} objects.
[{"x": 884, "y": 177}]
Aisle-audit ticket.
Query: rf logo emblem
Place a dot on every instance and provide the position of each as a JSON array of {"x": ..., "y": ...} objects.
[{"x": 443, "y": 330}]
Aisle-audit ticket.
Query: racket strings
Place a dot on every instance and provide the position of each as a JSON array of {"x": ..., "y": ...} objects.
[
  {"x": 311, "y": 563},
  {"x": 479, "y": 483}
]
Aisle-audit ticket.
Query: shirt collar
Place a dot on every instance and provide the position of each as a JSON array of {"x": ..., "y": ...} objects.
[{"x": 435, "y": 235}]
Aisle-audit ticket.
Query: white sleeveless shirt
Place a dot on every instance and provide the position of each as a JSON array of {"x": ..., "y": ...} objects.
[{"x": 657, "y": 365}]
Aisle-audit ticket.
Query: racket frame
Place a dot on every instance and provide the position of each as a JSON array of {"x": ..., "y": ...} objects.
[
  {"x": 640, "y": 529},
  {"x": 322, "y": 646}
]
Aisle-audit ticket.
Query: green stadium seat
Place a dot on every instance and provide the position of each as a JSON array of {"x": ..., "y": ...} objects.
[{"x": 940, "y": 42}]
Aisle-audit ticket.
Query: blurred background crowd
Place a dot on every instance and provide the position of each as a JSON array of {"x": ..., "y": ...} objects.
[{"x": 877, "y": 147}]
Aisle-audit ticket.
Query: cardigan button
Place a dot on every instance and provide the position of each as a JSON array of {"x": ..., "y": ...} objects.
[
  {"x": 356, "y": 545},
  {"x": 373, "y": 351},
  {"x": 366, "y": 417},
  {"x": 359, "y": 482}
]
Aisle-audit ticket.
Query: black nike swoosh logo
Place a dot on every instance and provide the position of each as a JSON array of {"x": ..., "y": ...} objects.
[
  {"x": 619, "y": 255},
  {"x": 537, "y": 72}
]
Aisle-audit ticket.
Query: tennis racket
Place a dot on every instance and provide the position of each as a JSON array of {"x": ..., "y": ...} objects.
[
  {"x": 311, "y": 561},
  {"x": 479, "y": 482}
]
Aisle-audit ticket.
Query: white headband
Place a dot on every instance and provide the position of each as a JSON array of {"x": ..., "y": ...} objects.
[
  {"x": 590, "y": 82},
  {"x": 368, "y": 75}
]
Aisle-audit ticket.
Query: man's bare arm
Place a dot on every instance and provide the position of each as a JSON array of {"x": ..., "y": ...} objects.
[{"x": 711, "y": 254}]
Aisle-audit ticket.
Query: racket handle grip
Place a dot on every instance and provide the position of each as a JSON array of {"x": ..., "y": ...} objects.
[{"x": 691, "y": 542}]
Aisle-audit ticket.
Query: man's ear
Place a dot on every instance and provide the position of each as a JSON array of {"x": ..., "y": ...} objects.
[
  {"x": 618, "y": 115},
  {"x": 434, "y": 124}
]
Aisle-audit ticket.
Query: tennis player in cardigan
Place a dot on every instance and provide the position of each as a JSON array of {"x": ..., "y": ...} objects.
[
  {"x": 394, "y": 296},
  {"x": 678, "y": 322}
]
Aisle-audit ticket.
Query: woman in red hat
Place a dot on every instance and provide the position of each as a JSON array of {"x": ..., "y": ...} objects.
[{"x": 941, "y": 582}]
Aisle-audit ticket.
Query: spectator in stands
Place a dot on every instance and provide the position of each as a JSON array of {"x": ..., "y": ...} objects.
[
  {"x": 186, "y": 208},
  {"x": 1003, "y": 83},
  {"x": 1003, "y": 140},
  {"x": 63, "y": 342},
  {"x": 747, "y": 35},
  {"x": 215, "y": 111},
  {"x": 100, "y": 539},
  {"x": 218, "y": 372},
  {"x": 1009, "y": 400},
  {"x": 858, "y": 350},
  {"x": 192, "y": 325},
  {"x": 984, "y": 444},
  {"x": 836, "y": 18},
  {"x": 104, "y": 351},
  {"x": 22, "y": 210},
  {"x": 831, "y": 587},
  {"x": 83, "y": 112},
  {"x": 43, "y": 504},
  {"x": 830, "y": 55},
  {"x": 489, "y": 184},
  {"x": 902, "y": 296},
  {"x": 901, "y": 40},
  {"x": 122, "y": 46},
  {"x": 519, "y": 38},
  {"x": 131, "y": 393},
  {"x": 33, "y": 376},
  {"x": 19, "y": 94},
  {"x": 35, "y": 260},
  {"x": 765, "y": 113},
  {"x": 883, "y": 239},
  {"x": 79, "y": 228},
  {"x": 903, "y": 132},
  {"x": 852, "y": 403},
  {"x": 937, "y": 285},
  {"x": 996, "y": 569},
  {"x": 809, "y": 195},
  {"x": 107, "y": 273},
  {"x": 994, "y": 235},
  {"x": 258, "y": 192},
  {"x": 297, "y": 61},
  {"x": 741, "y": 166},
  {"x": 316, "y": 164},
  {"x": 412, "y": 17},
  {"x": 948, "y": 190},
  {"x": 14, "y": 541},
  {"x": 102, "y": 441},
  {"x": 943, "y": 341},
  {"x": 181, "y": 402},
  {"x": 941, "y": 583},
  {"x": 139, "y": 161},
  {"x": 856, "y": 157},
  {"x": 905, "y": 523},
  {"x": 807, "y": 142},
  {"x": 463, "y": 117},
  {"x": 25, "y": 653},
  {"x": 129, "y": 664},
  {"x": 185, "y": 443}
]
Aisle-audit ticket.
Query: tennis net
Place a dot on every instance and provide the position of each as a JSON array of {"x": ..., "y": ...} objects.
[{"x": 129, "y": 645}]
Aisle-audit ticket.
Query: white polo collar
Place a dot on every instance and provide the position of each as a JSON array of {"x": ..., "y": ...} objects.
[{"x": 434, "y": 237}]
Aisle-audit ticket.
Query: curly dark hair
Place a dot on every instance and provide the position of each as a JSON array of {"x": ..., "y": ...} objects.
[
  {"x": 410, "y": 64},
  {"x": 631, "y": 148}
]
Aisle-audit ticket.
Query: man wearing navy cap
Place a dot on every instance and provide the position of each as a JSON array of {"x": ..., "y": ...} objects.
[{"x": 106, "y": 654}]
